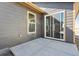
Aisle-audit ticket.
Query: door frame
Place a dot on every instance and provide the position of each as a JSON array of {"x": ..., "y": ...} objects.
[{"x": 53, "y": 25}]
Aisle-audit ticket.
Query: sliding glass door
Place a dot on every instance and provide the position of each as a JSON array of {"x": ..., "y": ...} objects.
[{"x": 54, "y": 25}]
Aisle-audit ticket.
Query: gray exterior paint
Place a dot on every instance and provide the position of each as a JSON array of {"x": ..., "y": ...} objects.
[
  {"x": 13, "y": 22},
  {"x": 52, "y": 7}
]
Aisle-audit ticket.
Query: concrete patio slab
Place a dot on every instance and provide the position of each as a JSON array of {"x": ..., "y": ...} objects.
[{"x": 45, "y": 47}]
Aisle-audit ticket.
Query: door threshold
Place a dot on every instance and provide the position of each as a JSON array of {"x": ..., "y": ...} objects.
[{"x": 55, "y": 39}]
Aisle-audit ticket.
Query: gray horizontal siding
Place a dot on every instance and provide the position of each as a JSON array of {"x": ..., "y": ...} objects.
[
  {"x": 13, "y": 22},
  {"x": 69, "y": 25}
]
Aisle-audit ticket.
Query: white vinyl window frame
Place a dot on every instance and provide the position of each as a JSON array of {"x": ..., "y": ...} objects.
[{"x": 28, "y": 22}]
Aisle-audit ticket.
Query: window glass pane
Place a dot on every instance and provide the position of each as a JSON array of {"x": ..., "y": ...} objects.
[
  {"x": 57, "y": 25},
  {"x": 57, "y": 17},
  {"x": 31, "y": 27},
  {"x": 62, "y": 25},
  {"x": 77, "y": 25},
  {"x": 31, "y": 17},
  {"x": 62, "y": 36},
  {"x": 62, "y": 19},
  {"x": 48, "y": 26}
]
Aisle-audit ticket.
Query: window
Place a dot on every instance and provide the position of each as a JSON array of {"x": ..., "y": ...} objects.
[
  {"x": 31, "y": 18},
  {"x": 77, "y": 25}
]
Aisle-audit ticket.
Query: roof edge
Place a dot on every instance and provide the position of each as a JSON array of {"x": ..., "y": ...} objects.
[{"x": 33, "y": 7}]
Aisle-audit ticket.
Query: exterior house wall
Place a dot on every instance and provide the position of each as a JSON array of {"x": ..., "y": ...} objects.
[
  {"x": 52, "y": 7},
  {"x": 13, "y": 25},
  {"x": 76, "y": 13},
  {"x": 76, "y": 8}
]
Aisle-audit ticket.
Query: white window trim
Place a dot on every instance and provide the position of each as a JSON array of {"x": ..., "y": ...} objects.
[{"x": 28, "y": 22}]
